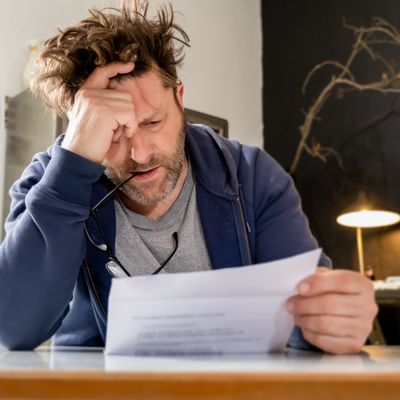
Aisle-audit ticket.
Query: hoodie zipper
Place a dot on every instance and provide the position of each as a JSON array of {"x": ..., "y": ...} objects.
[{"x": 246, "y": 229}]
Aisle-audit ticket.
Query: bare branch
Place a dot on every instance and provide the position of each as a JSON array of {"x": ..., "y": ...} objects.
[
  {"x": 384, "y": 86},
  {"x": 386, "y": 63},
  {"x": 371, "y": 53},
  {"x": 366, "y": 39},
  {"x": 324, "y": 64}
]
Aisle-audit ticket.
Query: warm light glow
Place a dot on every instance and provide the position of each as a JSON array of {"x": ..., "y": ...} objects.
[{"x": 368, "y": 218}]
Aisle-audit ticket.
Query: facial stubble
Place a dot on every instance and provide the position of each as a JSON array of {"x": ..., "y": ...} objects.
[{"x": 173, "y": 168}]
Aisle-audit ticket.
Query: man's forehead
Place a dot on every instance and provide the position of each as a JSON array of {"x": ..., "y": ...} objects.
[{"x": 147, "y": 91}]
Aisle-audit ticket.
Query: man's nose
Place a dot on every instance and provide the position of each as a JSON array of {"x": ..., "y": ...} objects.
[{"x": 141, "y": 147}]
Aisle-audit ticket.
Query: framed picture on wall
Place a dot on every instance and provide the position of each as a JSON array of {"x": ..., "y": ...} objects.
[{"x": 219, "y": 125}]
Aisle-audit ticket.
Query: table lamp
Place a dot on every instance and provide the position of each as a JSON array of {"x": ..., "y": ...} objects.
[{"x": 365, "y": 218}]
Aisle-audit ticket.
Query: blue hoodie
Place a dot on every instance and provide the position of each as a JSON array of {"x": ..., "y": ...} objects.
[{"x": 54, "y": 282}]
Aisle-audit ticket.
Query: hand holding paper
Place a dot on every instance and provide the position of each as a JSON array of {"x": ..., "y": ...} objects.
[
  {"x": 232, "y": 310},
  {"x": 335, "y": 310}
]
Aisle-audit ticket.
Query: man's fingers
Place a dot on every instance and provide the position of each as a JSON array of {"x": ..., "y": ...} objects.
[
  {"x": 333, "y": 344},
  {"x": 334, "y": 325},
  {"x": 334, "y": 310},
  {"x": 328, "y": 304},
  {"x": 104, "y": 94},
  {"x": 124, "y": 130},
  {"x": 118, "y": 150},
  {"x": 100, "y": 77},
  {"x": 117, "y": 134},
  {"x": 108, "y": 104},
  {"x": 336, "y": 281}
]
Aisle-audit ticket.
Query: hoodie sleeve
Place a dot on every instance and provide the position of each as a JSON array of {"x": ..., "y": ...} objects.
[
  {"x": 44, "y": 246},
  {"x": 280, "y": 227}
]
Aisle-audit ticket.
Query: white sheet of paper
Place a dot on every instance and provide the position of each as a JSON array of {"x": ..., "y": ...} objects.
[{"x": 226, "y": 311}]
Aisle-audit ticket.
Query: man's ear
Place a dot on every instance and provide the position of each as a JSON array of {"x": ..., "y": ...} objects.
[{"x": 179, "y": 94}]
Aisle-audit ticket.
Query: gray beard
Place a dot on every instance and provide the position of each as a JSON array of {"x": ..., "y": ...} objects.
[
  {"x": 135, "y": 195},
  {"x": 173, "y": 172}
]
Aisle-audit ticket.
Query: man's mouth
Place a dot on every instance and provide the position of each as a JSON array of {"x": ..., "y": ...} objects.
[{"x": 144, "y": 175}]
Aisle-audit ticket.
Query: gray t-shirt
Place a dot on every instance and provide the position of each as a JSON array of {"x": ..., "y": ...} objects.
[{"x": 142, "y": 245}]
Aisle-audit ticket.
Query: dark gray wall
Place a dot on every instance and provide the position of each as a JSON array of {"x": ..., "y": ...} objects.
[{"x": 363, "y": 127}]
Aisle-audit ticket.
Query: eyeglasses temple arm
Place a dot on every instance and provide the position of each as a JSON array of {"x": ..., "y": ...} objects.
[
  {"x": 175, "y": 237},
  {"x": 109, "y": 194}
]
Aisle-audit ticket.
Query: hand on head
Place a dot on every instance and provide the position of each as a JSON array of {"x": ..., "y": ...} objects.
[
  {"x": 335, "y": 310},
  {"x": 101, "y": 118}
]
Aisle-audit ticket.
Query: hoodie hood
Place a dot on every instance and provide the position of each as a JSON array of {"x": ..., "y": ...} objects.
[{"x": 209, "y": 153}]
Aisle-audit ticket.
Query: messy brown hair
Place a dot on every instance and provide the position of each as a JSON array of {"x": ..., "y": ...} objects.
[{"x": 108, "y": 35}]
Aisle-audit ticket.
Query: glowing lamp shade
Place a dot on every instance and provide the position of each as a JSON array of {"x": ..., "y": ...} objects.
[{"x": 368, "y": 218}]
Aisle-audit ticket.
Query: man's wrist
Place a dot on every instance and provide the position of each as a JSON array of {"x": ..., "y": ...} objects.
[{"x": 70, "y": 176}]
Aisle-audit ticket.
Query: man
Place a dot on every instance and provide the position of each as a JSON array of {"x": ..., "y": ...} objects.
[{"x": 131, "y": 189}]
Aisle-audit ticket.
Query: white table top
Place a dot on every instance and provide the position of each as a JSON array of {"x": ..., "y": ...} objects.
[{"x": 373, "y": 359}]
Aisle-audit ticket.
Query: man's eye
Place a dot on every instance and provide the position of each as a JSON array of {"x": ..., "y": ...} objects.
[{"x": 150, "y": 124}]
